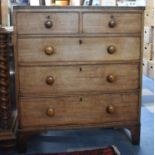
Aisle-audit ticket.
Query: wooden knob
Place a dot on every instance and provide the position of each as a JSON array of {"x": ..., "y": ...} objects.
[
  {"x": 49, "y": 50},
  {"x": 110, "y": 109},
  {"x": 50, "y": 112},
  {"x": 48, "y": 24},
  {"x": 111, "y": 49},
  {"x": 112, "y": 23},
  {"x": 111, "y": 78},
  {"x": 50, "y": 80}
]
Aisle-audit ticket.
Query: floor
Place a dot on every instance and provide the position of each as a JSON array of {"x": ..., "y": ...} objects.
[{"x": 60, "y": 141}]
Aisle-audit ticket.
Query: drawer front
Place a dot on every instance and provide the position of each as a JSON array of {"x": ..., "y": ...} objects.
[
  {"x": 82, "y": 110},
  {"x": 76, "y": 49},
  {"x": 111, "y": 23},
  {"x": 47, "y": 23},
  {"x": 73, "y": 79}
]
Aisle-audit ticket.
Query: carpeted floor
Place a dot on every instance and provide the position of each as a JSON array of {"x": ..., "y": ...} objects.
[
  {"x": 72, "y": 140},
  {"x": 110, "y": 150}
]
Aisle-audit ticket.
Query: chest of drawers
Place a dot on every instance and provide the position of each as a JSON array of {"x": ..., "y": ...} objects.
[{"x": 78, "y": 67}]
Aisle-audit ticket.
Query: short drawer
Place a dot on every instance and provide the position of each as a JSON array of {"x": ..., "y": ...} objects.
[
  {"x": 78, "y": 49},
  {"x": 81, "y": 110},
  {"x": 47, "y": 23},
  {"x": 112, "y": 23},
  {"x": 50, "y": 80}
]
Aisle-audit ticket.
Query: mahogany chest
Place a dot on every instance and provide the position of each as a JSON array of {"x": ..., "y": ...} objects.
[{"x": 78, "y": 67}]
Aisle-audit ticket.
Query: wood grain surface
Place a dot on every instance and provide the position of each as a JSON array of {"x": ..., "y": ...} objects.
[
  {"x": 99, "y": 23},
  {"x": 72, "y": 79},
  {"x": 78, "y": 110},
  {"x": 70, "y": 49},
  {"x": 62, "y": 23}
]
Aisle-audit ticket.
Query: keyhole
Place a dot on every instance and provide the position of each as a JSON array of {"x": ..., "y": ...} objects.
[
  {"x": 80, "y": 42},
  {"x": 48, "y": 17},
  {"x": 81, "y": 99},
  {"x": 80, "y": 69},
  {"x": 112, "y": 17}
]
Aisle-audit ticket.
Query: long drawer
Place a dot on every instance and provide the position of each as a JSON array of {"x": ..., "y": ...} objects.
[
  {"x": 51, "y": 80},
  {"x": 78, "y": 49},
  {"x": 112, "y": 23},
  {"x": 81, "y": 110},
  {"x": 47, "y": 23}
]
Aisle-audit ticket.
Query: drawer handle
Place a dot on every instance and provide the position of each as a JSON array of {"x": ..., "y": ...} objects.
[
  {"x": 49, "y": 50},
  {"x": 112, "y": 23},
  {"x": 111, "y": 78},
  {"x": 50, "y": 80},
  {"x": 111, "y": 49},
  {"x": 48, "y": 24},
  {"x": 50, "y": 112},
  {"x": 110, "y": 109}
]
